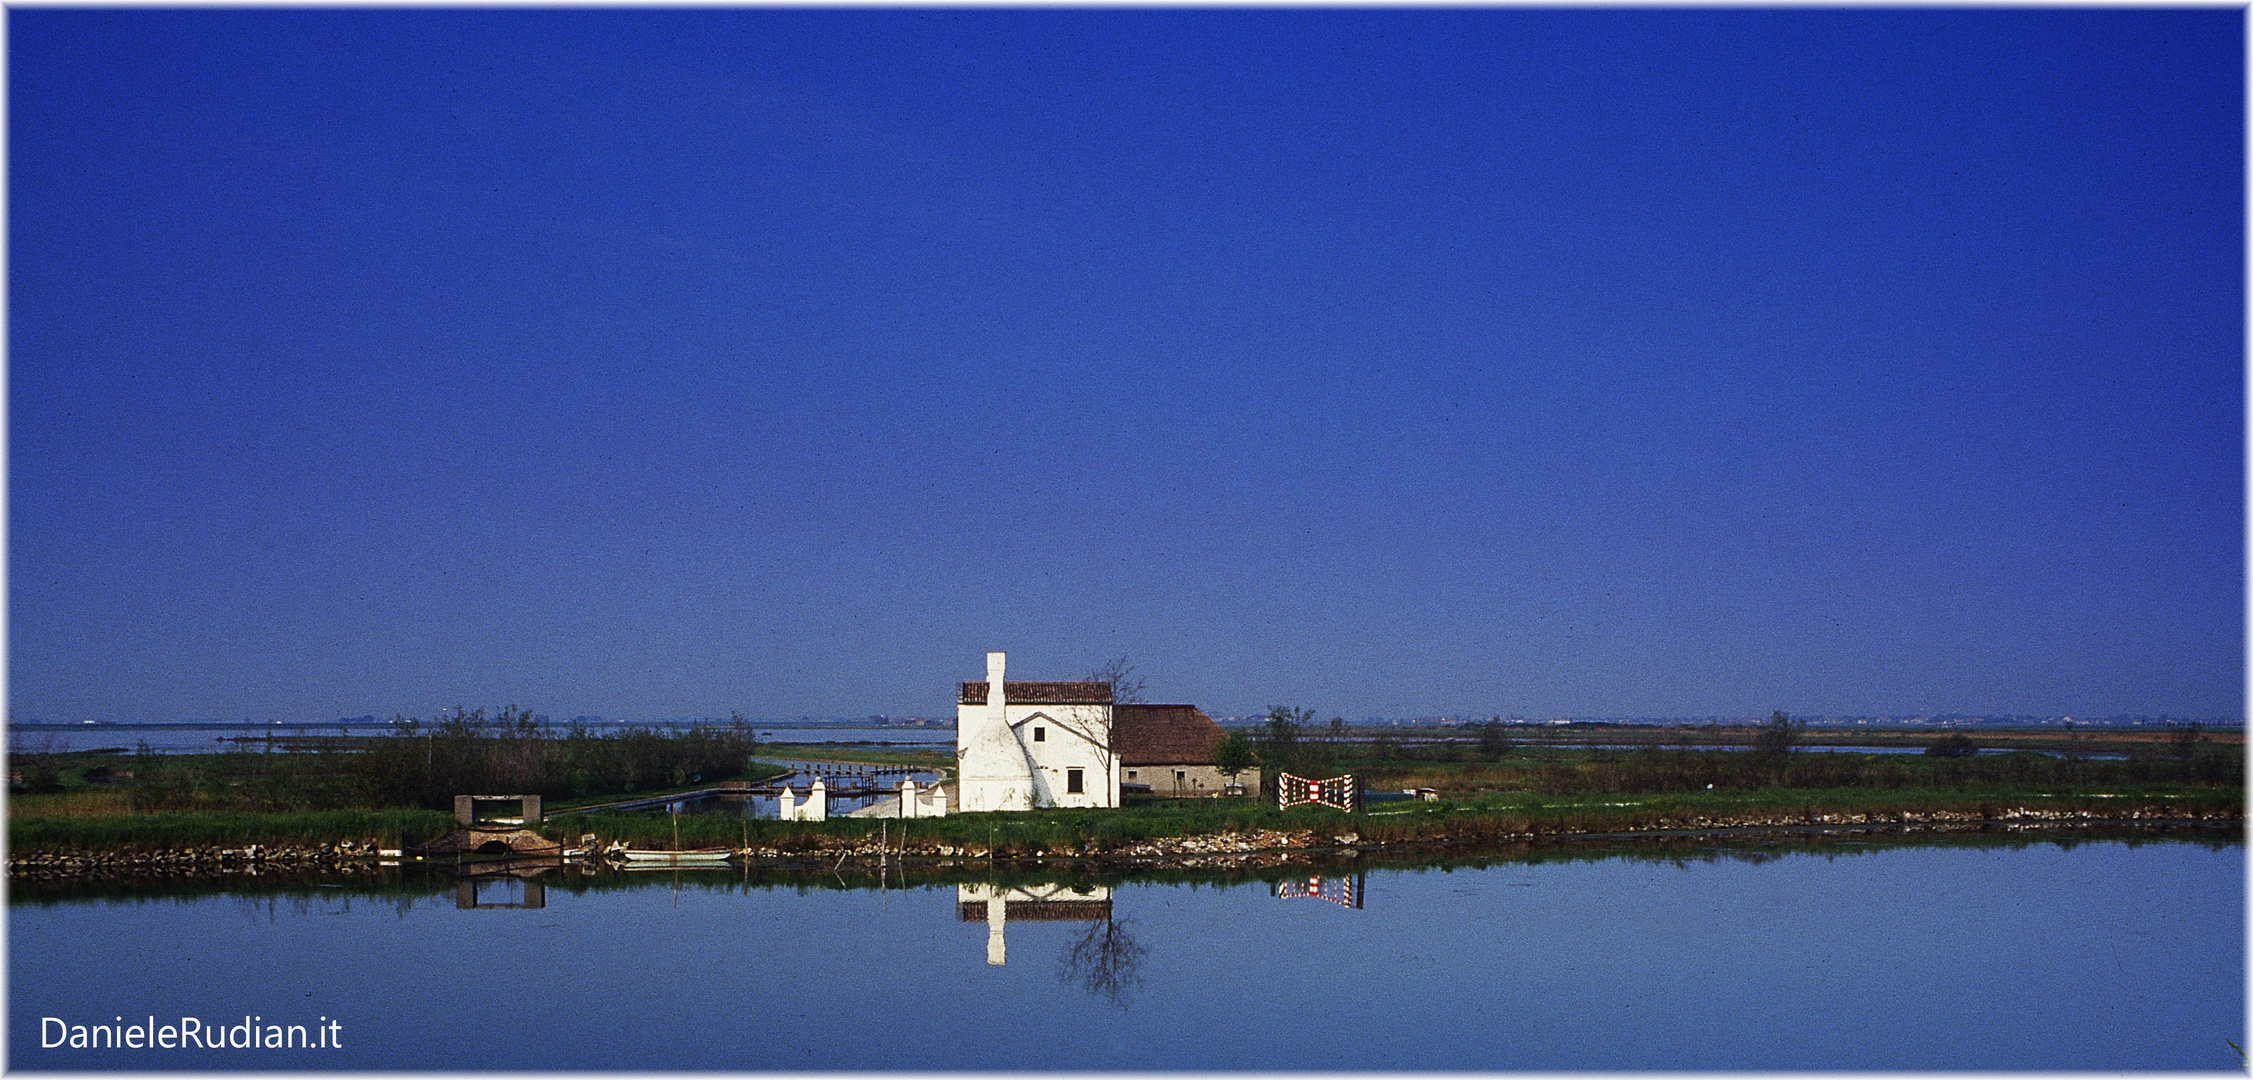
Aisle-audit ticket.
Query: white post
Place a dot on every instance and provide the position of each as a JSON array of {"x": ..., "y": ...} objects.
[
  {"x": 907, "y": 798},
  {"x": 817, "y": 802},
  {"x": 997, "y": 914},
  {"x": 938, "y": 800},
  {"x": 786, "y": 804}
]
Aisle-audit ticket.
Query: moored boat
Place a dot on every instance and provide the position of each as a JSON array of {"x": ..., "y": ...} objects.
[{"x": 700, "y": 857}]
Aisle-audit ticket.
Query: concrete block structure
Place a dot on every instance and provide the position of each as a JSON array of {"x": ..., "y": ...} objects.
[
  {"x": 922, "y": 802},
  {"x": 814, "y": 808},
  {"x": 465, "y": 808}
]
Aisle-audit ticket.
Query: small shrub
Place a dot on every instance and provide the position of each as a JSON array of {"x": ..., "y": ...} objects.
[{"x": 1952, "y": 746}]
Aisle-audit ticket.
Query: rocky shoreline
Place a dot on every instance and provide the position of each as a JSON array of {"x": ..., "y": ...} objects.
[
  {"x": 1251, "y": 849},
  {"x": 248, "y": 860}
]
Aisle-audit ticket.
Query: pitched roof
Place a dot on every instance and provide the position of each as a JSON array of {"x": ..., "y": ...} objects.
[
  {"x": 1163, "y": 735},
  {"x": 1040, "y": 910},
  {"x": 1040, "y": 693}
]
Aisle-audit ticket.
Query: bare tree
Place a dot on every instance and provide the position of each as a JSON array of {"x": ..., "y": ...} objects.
[
  {"x": 1125, "y": 683},
  {"x": 1106, "y": 961}
]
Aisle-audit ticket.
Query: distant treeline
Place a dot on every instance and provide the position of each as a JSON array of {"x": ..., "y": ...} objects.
[{"x": 427, "y": 764}]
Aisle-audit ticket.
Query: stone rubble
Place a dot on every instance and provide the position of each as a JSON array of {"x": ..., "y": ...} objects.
[{"x": 344, "y": 856}]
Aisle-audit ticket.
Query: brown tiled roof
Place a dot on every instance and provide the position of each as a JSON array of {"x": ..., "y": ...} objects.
[
  {"x": 1041, "y": 910},
  {"x": 1041, "y": 693},
  {"x": 1163, "y": 735}
]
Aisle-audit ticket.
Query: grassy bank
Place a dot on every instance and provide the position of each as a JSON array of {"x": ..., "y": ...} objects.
[
  {"x": 395, "y": 791},
  {"x": 1463, "y": 769},
  {"x": 193, "y": 829}
]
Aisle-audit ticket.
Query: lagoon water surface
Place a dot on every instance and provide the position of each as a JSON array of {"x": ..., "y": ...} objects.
[{"x": 1959, "y": 956}]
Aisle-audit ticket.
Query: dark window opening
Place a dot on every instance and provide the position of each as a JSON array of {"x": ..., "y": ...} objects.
[
  {"x": 1072, "y": 782},
  {"x": 1040, "y": 734}
]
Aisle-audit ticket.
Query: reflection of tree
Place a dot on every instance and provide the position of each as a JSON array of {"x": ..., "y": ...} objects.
[{"x": 1106, "y": 960}]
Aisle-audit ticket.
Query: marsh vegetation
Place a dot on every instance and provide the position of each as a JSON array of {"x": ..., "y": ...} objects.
[{"x": 1486, "y": 784}]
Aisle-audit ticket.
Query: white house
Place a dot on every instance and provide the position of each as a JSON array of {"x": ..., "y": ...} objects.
[{"x": 1021, "y": 745}]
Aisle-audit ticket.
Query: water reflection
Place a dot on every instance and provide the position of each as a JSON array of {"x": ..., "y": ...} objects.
[
  {"x": 502, "y": 893},
  {"x": 1105, "y": 960},
  {"x": 1344, "y": 891},
  {"x": 995, "y": 905},
  {"x": 1650, "y": 956}
]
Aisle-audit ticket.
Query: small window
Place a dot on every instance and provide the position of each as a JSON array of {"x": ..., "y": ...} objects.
[
  {"x": 1130, "y": 774},
  {"x": 1040, "y": 734},
  {"x": 1073, "y": 785},
  {"x": 1180, "y": 775}
]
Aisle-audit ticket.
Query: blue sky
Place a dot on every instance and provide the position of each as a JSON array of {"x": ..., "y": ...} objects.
[{"x": 661, "y": 363}]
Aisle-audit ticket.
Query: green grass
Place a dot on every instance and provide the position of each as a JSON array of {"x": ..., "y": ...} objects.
[{"x": 190, "y": 829}]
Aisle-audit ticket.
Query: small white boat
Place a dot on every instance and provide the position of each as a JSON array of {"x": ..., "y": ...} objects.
[{"x": 706, "y": 857}]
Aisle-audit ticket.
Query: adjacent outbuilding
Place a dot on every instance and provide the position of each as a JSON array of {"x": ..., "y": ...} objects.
[{"x": 1169, "y": 749}]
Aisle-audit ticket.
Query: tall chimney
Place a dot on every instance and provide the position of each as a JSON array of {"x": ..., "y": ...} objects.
[{"x": 995, "y": 662}]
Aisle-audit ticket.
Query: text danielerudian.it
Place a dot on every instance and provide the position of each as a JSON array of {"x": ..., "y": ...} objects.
[{"x": 253, "y": 1033}]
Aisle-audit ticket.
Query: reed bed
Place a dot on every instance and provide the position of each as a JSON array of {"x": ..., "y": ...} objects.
[{"x": 84, "y": 802}]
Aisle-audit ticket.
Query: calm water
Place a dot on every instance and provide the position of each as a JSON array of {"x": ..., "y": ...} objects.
[{"x": 2100, "y": 955}]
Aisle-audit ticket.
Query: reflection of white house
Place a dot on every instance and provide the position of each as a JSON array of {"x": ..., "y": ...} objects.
[
  {"x": 1021, "y": 745},
  {"x": 995, "y": 906}
]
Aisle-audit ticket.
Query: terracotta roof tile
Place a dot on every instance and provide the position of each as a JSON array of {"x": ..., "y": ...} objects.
[
  {"x": 1040, "y": 693},
  {"x": 1041, "y": 910},
  {"x": 1163, "y": 735}
]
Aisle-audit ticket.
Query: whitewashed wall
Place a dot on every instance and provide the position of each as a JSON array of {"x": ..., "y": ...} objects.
[
  {"x": 1077, "y": 737},
  {"x": 1002, "y": 766}
]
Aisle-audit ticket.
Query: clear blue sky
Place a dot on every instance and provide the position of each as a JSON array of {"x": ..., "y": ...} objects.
[{"x": 671, "y": 362}]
